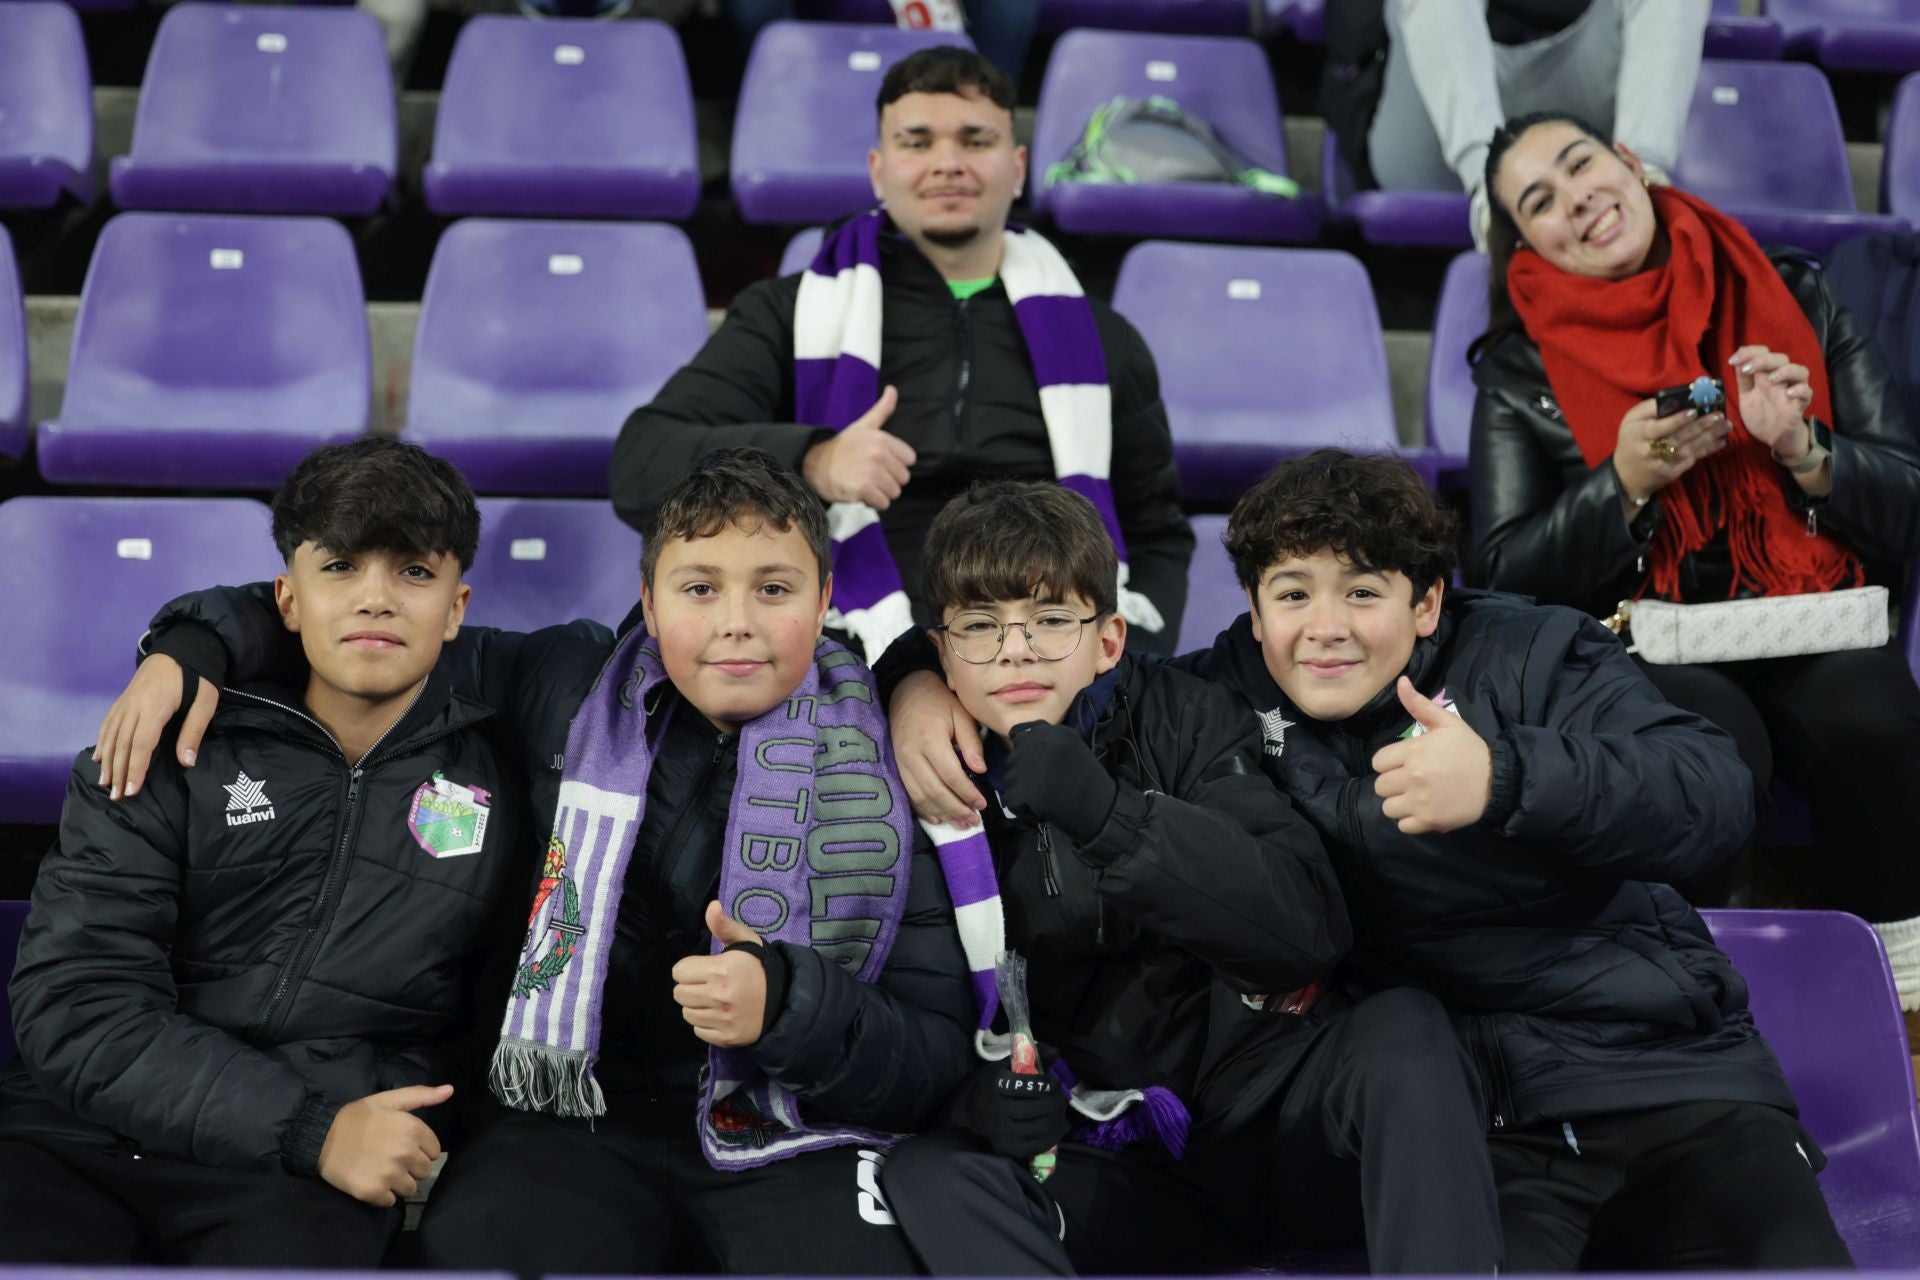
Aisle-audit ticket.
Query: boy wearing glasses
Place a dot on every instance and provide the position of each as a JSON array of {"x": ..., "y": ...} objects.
[{"x": 1135, "y": 855}]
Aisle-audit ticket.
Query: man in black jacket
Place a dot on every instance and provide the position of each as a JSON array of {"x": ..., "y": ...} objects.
[
  {"x": 238, "y": 991},
  {"x": 959, "y": 398},
  {"x": 734, "y": 588},
  {"x": 1158, "y": 887}
]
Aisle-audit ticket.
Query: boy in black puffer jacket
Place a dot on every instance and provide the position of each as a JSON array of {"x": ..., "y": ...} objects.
[{"x": 239, "y": 992}]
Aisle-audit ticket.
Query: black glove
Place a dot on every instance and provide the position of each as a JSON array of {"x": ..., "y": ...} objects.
[
  {"x": 1018, "y": 1116},
  {"x": 1054, "y": 776}
]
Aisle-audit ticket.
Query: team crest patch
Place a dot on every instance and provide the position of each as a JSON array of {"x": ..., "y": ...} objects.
[
  {"x": 554, "y": 920},
  {"x": 447, "y": 819}
]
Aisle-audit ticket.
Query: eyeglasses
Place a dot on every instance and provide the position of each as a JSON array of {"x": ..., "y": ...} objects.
[{"x": 1052, "y": 634}]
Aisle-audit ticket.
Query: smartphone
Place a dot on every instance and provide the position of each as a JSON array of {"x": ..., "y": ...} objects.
[{"x": 1708, "y": 395}]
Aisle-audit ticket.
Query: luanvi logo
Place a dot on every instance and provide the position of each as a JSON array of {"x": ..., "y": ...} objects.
[{"x": 247, "y": 801}]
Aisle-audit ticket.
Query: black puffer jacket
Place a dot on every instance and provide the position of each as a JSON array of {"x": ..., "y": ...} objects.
[
  {"x": 212, "y": 967},
  {"x": 969, "y": 406},
  {"x": 1549, "y": 526},
  {"x": 882, "y": 1055},
  {"x": 1581, "y": 982}
]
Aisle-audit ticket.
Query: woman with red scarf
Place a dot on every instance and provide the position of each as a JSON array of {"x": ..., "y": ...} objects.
[{"x": 1606, "y": 290}]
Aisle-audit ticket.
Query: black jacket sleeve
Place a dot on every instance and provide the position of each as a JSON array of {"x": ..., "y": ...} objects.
[
  {"x": 1221, "y": 863},
  {"x": 1146, "y": 491},
  {"x": 95, "y": 1005},
  {"x": 884, "y": 1055},
  {"x": 735, "y": 393}
]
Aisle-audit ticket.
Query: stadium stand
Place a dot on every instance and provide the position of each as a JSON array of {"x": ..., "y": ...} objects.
[
  {"x": 537, "y": 339},
  {"x": 262, "y": 110},
  {"x": 1851, "y": 35},
  {"x": 1263, "y": 354},
  {"x": 96, "y": 569},
  {"x": 46, "y": 106},
  {"x": 1433, "y": 218},
  {"x": 564, "y": 144},
  {"x": 544, "y": 561},
  {"x": 1224, "y": 81},
  {"x": 211, "y": 352},
  {"x": 13, "y": 355}
]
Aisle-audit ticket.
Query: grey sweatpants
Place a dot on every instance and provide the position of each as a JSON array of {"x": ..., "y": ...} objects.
[{"x": 1628, "y": 64}]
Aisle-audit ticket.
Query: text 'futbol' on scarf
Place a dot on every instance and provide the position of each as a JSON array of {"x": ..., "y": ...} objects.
[
  {"x": 836, "y": 348},
  {"x": 818, "y": 846}
]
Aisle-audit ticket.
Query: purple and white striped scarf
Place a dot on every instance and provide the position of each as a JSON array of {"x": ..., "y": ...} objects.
[
  {"x": 818, "y": 846},
  {"x": 1112, "y": 1118},
  {"x": 836, "y": 348}
]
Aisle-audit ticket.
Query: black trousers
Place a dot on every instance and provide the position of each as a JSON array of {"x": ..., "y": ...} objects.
[
  {"x": 1377, "y": 1134},
  {"x": 72, "y": 1203},
  {"x": 1844, "y": 728},
  {"x": 1705, "y": 1186},
  {"x": 631, "y": 1193}
]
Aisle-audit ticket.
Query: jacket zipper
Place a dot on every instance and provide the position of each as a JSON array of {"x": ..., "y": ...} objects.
[
  {"x": 274, "y": 1014},
  {"x": 963, "y": 333},
  {"x": 1049, "y": 865}
]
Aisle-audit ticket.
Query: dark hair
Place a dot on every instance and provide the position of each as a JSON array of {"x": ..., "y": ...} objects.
[
  {"x": 377, "y": 494},
  {"x": 743, "y": 487},
  {"x": 1371, "y": 508},
  {"x": 1011, "y": 539},
  {"x": 945, "y": 68},
  {"x": 1503, "y": 233}
]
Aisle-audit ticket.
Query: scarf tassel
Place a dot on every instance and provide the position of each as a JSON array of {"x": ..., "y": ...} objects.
[
  {"x": 539, "y": 1077},
  {"x": 1159, "y": 1114}
]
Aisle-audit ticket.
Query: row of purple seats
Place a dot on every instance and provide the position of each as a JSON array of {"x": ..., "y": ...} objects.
[
  {"x": 46, "y": 105},
  {"x": 97, "y": 568}
]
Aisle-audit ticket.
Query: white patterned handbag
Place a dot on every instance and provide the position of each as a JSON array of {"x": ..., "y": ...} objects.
[{"x": 1763, "y": 627}]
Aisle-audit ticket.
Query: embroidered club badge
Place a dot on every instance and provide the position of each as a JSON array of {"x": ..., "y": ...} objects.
[
  {"x": 556, "y": 915},
  {"x": 447, "y": 819}
]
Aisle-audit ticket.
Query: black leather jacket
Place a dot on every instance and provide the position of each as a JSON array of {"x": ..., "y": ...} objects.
[{"x": 1547, "y": 525}]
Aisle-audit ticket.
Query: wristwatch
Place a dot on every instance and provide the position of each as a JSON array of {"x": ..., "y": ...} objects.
[{"x": 1819, "y": 447}]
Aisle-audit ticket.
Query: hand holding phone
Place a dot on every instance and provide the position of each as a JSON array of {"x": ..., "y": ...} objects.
[{"x": 1708, "y": 395}]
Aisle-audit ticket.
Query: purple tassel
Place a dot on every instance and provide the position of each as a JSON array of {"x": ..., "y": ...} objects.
[{"x": 1158, "y": 1115}]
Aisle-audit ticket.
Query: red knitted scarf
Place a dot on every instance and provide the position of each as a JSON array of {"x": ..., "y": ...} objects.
[{"x": 1608, "y": 344}]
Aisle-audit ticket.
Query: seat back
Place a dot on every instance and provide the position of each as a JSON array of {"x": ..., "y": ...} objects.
[
  {"x": 1214, "y": 595},
  {"x": 1460, "y": 318},
  {"x": 1189, "y": 17},
  {"x": 95, "y": 570},
  {"x": 805, "y": 119},
  {"x": 1823, "y": 995},
  {"x": 798, "y": 255},
  {"x": 1263, "y": 354},
  {"x": 1765, "y": 135},
  {"x": 1900, "y": 174},
  {"x": 1851, "y": 35},
  {"x": 1224, "y": 81},
  {"x": 547, "y": 561},
  {"x": 46, "y": 105},
  {"x": 262, "y": 109},
  {"x": 599, "y": 122},
  {"x": 13, "y": 918},
  {"x": 13, "y": 354}
]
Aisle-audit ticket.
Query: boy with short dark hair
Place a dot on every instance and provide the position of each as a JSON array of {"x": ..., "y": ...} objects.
[
  {"x": 237, "y": 990},
  {"x": 1152, "y": 878},
  {"x": 740, "y": 976}
]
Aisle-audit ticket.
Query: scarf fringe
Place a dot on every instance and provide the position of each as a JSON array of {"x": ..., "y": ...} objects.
[
  {"x": 538, "y": 1077},
  {"x": 1158, "y": 1114}
]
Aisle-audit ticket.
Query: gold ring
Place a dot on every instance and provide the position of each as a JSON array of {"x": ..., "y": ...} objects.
[{"x": 1664, "y": 450}]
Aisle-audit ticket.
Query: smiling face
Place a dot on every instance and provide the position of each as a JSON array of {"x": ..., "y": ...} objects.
[
  {"x": 1335, "y": 634},
  {"x": 737, "y": 616},
  {"x": 946, "y": 166},
  {"x": 371, "y": 622},
  {"x": 1018, "y": 685},
  {"x": 1579, "y": 204}
]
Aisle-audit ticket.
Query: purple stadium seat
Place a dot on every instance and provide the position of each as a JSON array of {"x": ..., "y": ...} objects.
[
  {"x": 1307, "y": 19},
  {"x": 1900, "y": 174},
  {"x": 1763, "y": 143},
  {"x": 599, "y": 123},
  {"x": 1223, "y": 80},
  {"x": 1732, "y": 34},
  {"x": 211, "y": 352},
  {"x": 806, "y": 120},
  {"x": 1823, "y": 996},
  {"x": 1851, "y": 35},
  {"x": 250, "y": 109},
  {"x": 1214, "y": 595},
  {"x": 1435, "y": 218},
  {"x": 800, "y": 250},
  {"x": 13, "y": 355},
  {"x": 46, "y": 106},
  {"x": 1460, "y": 317},
  {"x": 537, "y": 339},
  {"x": 13, "y": 917},
  {"x": 1910, "y": 621},
  {"x": 1187, "y": 17},
  {"x": 546, "y": 561},
  {"x": 95, "y": 570},
  {"x": 1264, "y": 354}
]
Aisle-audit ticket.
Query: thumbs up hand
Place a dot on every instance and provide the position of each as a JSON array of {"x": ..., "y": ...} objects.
[
  {"x": 1438, "y": 781},
  {"x": 724, "y": 997}
]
